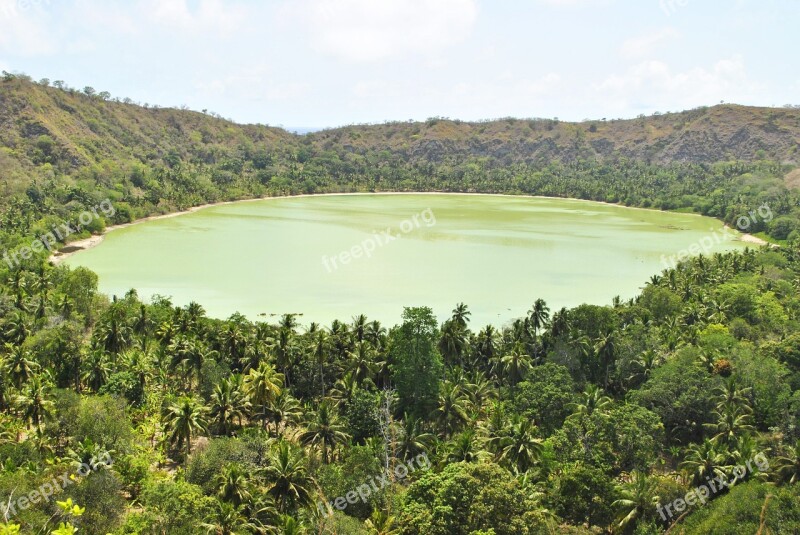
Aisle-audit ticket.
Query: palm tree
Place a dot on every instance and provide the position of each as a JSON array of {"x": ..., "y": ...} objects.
[
  {"x": 183, "y": 420},
  {"x": 19, "y": 366},
  {"x": 381, "y": 523},
  {"x": 539, "y": 315},
  {"x": 284, "y": 409},
  {"x": 704, "y": 461},
  {"x": 788, "y": 466},
  {"x": 290, "y": 483},
  {"x": 464, "y": 447},
  {"x": 461, "y": 315},
  {"x": 325, "y": 430},
  {"x": 33, "y": 402},
  {"x": 730, "y": 393},
  {"x": 188, "y": 354},
  {"x": 486, "y": 346},
  {"x": 605, "y": 349},
  {"x": 516, "y": 365},
  {"x": 362, "y": 364},
  {"x": 16, "y": 328},
  {"x": 732, "y": 422},
  {"x": 453, "y": 342},
  {"x": 319, "y": 350},
  {"x": 637, "y": 499},
  {"x": 360, "y": 328},
  {"x": 112, "y": 333},
  {"x": 452, "y": 410},
  {"x": 233, "y": 485},
  {"x": 480, "y": 389},
  {"x": 593, "y": 399},
  {"x": 413, "y": 439},
  {"x": 229, "y": 403},
  {"x": 644, "y": 365},
  {"x": 228, "y": 519},
  {"x": 96, "y": 370},
  {"x": 519, "y": 448},
  {"x": 263, "y": 385}
]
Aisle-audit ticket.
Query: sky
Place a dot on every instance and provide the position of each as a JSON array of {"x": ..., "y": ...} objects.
[{"x": 324, "y": 63}]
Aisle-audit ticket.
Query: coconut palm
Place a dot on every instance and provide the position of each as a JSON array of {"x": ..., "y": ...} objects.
[
  {"x": 228, "y": 519},
  {"x": 96, "y": 370},
  {"x": 19, "y": 366},
  {"x": 229, "y": 403},
  {"x": 637, "y": 500},
  {"x": 183, "y": 420},
  {"x": 452, "y": 410},
  {"x": 464, "y": 447},
  {"x": 515, "y": 365},
  {"x": 319, "y": 350},
  {"x": 704, "y": 461},
  {"x": 520, "y": 448},
  {"x": 233, "y": 485},
  {"x": 413, "y": 439},
  {"x": 539, "y": 316},
  {"x": 593, "y": 399},
  {"x": 324, "y": 429},
  {"x": 788, "y": 465},
  {"x": 284, "y": 409},
  {"x": 381, "y": 523},
  {"x": 732, "y": 422},
  {"x": 290, "y": 484},
  {"x": 34, "y": 402},
  {"x": 263, "y": 385},
  {"x": 362, "y": 362},
  {"x": 453, "y": 342}
]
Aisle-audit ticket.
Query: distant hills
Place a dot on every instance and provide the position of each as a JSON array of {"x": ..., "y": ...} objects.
[{"x": 162, "y": 158}]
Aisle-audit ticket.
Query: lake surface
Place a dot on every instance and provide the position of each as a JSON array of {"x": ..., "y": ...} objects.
[{"x": 336, "y": 256}]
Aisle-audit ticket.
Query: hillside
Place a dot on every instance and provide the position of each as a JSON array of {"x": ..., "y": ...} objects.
[
  {"x": 62, "y": 150},
  {"x": 72, "y": 131},
  {"x": 704, "y": 135}
]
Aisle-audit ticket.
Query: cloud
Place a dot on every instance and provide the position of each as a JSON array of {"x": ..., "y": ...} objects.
[
  {"x": 645, "y": 45},
  {"x": 651, "y": 84},
  {"x": 370, "y": 30},
  {"x": 209, "y": 15},
  {"x": 22, "y": 28}
]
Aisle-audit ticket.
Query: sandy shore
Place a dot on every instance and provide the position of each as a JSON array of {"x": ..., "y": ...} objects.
[
  {"x": 92, "y": 241},
  {"x": 749, "y": 238}
]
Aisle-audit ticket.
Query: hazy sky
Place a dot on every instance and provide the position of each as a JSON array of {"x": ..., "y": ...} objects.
[{"x": 330, "y": 62}]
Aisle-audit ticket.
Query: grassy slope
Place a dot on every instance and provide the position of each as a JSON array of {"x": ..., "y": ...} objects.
[{"x": 86, "y": 131}]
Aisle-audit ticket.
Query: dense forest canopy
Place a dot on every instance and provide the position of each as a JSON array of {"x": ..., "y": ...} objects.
[{"x": 679, "y": 408}]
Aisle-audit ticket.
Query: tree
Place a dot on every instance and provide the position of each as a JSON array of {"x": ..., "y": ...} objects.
[
  {"x": 539, "y": 316},
  {"x": 325, "y": 430},
  {"x": 290, "y": 483},
  {"x": 417, "y": 368},
  {"x": 452, "y": 408},
  {"x": 183, "y": 420},
  {"x": 637, "y": 500},
  {"x": 520, "y": 448},
  {"x": 34, "y": 402},
  {"x": 229, "y": 403},
  {"x": 263, "y": 385}
]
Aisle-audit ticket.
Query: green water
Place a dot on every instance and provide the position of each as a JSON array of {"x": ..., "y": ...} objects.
[{"x": 497, "y": 254}]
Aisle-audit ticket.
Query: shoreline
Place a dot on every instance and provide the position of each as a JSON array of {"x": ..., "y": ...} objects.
[{"x": 96, "y": 239}]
